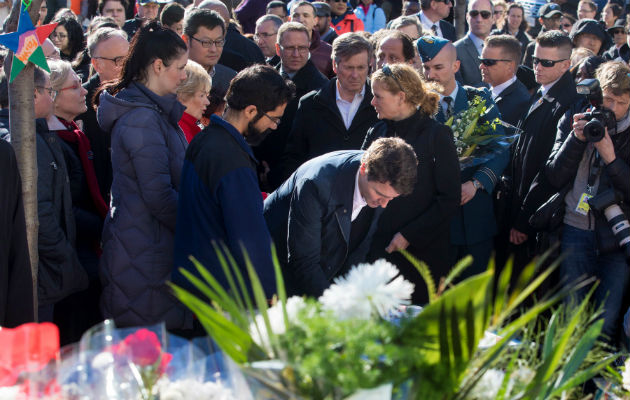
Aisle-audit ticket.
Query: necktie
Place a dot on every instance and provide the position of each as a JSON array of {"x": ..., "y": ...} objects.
[
  {"x": 434, "y": 29},
  {"x": 537, "y": 98},
  {"x": 449, "y": 107}
]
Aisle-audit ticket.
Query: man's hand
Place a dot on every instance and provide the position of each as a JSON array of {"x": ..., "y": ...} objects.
[
  {"x": 578, "y": 126},
  {"x": 468, "y": 192},
  {"x": 517, "y": 237},
  {"x": 606, "y": 149},
  {"x": 398, "y": 243}
]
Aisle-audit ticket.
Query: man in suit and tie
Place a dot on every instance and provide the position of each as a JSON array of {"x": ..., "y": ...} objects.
[
  {"x": 499, "y": 61},
  {"x": 480, "y": 17},
  {"x": 539, "y": 128},
  {"x": 318, "y": 219},
  {"x": 473, "y": 226},
  {"x": 432, "y": 18}
]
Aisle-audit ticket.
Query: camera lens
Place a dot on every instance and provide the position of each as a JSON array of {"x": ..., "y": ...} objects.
[{"x": 594, "y": 130}]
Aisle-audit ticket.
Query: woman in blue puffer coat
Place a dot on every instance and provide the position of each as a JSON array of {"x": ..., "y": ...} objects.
[
  {"x": 372, "y": 15},
  {"x": 141, "y": 111}
]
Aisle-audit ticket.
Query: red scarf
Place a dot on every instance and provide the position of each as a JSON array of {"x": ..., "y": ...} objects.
[
  {"x": 74, "y": 135},
  {"x": 188, "y": 123}
]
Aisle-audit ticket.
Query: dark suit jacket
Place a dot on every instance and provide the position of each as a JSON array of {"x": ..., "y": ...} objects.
[
  {"x": 534, "y": 145},
  {"x": 513, "y": 102},
  {"x": 272, "y": 148},
  {"x": 318, "y": 127},
  {"x": 309, "y": 218},
  {"x": 469, "y": 62},
  {"x": 448, "y": 31},
  {"x": 238, "y": 51}
]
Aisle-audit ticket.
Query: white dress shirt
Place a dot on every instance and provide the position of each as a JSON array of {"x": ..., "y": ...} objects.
[
  {"x": 358, "y": 202},
  {"x": 478, "y": 42},
  {"x": 348, "y": 109},
  {"x": 427, "y": 25},
  {"x": 453, "y": 95}
]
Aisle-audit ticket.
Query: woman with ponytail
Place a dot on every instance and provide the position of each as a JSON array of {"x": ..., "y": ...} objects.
[
  {"x": 419, "y": 222},
  {"x": 141, "y": 112}
]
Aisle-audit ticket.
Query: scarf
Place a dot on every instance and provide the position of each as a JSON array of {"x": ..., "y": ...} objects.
[
  {"x": 623, "y": 123},
  {"x": 74, "y": 135}
]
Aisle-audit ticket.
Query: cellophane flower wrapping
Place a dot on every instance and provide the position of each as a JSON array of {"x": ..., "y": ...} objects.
[
  {"x": 140, "y": 364},
  {"x": 476, "y": 139},
  {"x": 29, "y": 356}
]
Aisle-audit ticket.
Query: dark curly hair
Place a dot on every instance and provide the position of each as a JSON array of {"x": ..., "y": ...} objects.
[{"x": 76, "y": 40}]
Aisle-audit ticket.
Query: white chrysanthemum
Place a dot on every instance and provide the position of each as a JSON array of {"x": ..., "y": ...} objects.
[
  {"x": 276, "y": 319},
  {"x": 626, "y": 375},
  {"x": 10, "y": 393},
  {"x": 488, "y": 386},
  {"x": 367, "y": 289},
  {"x": 190, "y": 389}
]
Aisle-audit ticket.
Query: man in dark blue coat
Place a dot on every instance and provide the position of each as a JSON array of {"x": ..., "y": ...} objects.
[
  {"x": 219, "y": 198},
  {"x": 473, "y": 226},
  {"x": 318, "y": 217}
]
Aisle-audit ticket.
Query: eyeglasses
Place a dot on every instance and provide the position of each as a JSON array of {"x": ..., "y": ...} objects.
[
  {"x": 50, "y": 90},
  {"x": 546, "y": 63},
  {"x": 59, "y": 36},
  {"x": 293, "y": 49},
  {"x": 265, "y": 35},
  {"x": 489, "y": 62},
  {"x": 275, "y": 120},
  {"x": 388, "y": 72},
  {"x": 77, "y": 85},
  {"x": 118, "y": 61},
  {"x": 484, "y": 14},
  {"x": 206, "y": 44},
  {"x": 618, "y": 32}
]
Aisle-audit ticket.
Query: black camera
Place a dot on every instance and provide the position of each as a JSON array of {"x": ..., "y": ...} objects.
[
  {"x": 606, "y": 203},
  {"x": 599, "y": 118}
]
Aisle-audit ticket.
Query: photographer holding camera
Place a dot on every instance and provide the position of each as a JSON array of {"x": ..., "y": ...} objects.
[{"x": 592, "y": 162}]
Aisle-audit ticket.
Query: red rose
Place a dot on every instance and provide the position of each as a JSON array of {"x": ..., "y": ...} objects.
[{"x": 143, "y": 347}]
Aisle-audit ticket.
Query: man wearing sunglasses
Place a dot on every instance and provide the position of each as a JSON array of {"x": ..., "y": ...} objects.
[
  {"x": 432, "y": 18},
  {"x": 620, "y": 51},
  {"x": 480, "y": 18},
  {"x": 539, "y": 127},
  {"x": 550, "y": 17},
  {"x": 473, "y": 226},
  {"x": 499, "y": 62}
]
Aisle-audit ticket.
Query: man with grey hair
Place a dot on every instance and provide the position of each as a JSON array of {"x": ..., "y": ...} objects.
[
  {"x": 296, "y": 65},
  {"x": 337, "y": 116},
  {"x": 407, "y": 25},
  {"x": 265, "y": 37},
  {"x": 238, "y": 51},
  {"x": 107, "y": 48}
]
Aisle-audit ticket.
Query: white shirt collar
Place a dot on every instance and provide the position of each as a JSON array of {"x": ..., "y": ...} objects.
[
  {"x": 496, "y": 90},
  {"x": 358, "y": 202},
  {"x": 426, "y": 21},
  {"x": 453, "y": 94},
  {"x": 357, "y": 95}
]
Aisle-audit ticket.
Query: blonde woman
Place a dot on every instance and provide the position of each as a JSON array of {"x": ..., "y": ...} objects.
[
  {"x": 419, "y": 222},
  {"x": 193, "y": 94}
]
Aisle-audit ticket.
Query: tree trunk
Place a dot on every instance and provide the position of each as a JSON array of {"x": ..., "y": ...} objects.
[
  {"x": 460, "y": 18},
  {"x": 22, "y": 123}
]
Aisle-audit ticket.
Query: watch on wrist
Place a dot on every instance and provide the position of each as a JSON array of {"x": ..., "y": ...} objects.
[{"x": 477, "y": 184}]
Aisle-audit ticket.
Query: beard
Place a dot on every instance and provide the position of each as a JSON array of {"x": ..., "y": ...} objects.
[{"x": 253, "y": 136}]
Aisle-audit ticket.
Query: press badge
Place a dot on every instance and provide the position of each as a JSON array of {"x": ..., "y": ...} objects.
[{"x": 582, "y": 206}]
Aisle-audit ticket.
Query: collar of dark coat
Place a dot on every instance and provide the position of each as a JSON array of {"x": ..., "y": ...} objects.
[
  {"x": 236, "y": 135},
  {"x": 563, "y": 91},
  {"x": 408, "y": 128},
  {"x": 167, "y": 105},
  {"x": 305, "y": 77},
  {"x": 507, "y": 90},
  {"x": 327, "y": 96}
]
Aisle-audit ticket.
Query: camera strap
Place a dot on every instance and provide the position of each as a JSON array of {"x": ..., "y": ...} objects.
[{"x": 595, "y": 167}]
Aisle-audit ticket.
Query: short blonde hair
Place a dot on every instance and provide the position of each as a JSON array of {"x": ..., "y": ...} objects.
[
  {"x": 197, "y": 78},
  {"x": 405, "y": 77},
  {"x": 59, "y": 72},
  {"x": 613, "y": 76}
]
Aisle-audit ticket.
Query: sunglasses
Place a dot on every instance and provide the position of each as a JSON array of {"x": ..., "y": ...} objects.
[
  {"x": 618, "y": 32},
  {"x": 489, "y": 62},
  {"x": 546, "y": 63},
  {"x": 567, "y": 25},
  {"x": 336, "y": 1},
  {"x": 388, "y": 72},
  {"x": 443, "y": 1},
  {"x": 484, "y": 14}
]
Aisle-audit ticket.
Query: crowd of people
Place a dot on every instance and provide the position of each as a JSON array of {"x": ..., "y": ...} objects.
[{"x": 171, "y": 130}]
